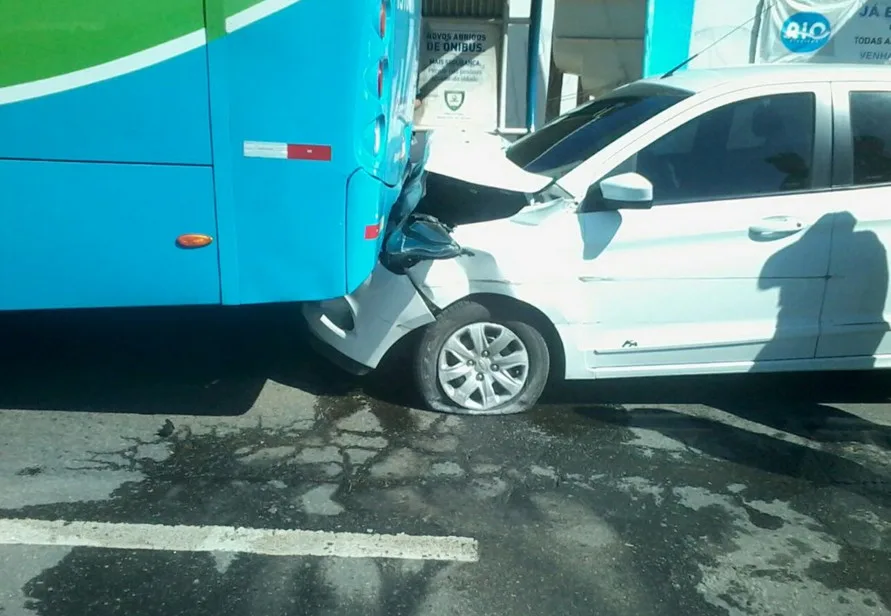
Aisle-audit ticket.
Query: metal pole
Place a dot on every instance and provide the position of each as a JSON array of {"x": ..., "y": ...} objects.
[
  {"x": 502, "y": 67},
  {"x": 756, "y": 30},
  {"x": 533, "y": 69}
]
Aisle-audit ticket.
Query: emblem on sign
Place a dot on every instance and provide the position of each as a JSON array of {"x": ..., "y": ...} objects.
[
  {"x": 805, "y": 32},
  {"x": 454, "y": 99}
]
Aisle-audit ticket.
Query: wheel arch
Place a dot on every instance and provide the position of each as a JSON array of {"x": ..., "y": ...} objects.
[{"x": 498, "y": 302}]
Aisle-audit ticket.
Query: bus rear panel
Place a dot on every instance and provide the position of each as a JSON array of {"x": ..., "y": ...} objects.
[{"x": 277, "y": 128}]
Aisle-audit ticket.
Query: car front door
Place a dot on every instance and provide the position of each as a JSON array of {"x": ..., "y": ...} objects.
[
  {"x": 728, "y": 269},
  {"x": 855, "y": 314}
]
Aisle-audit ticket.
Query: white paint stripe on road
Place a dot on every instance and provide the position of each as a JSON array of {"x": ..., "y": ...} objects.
[{"x": 272, "y": 542}]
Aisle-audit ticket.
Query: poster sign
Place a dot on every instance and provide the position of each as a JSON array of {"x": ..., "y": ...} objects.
[
  {"x": 458, "y": 83},
  {"x": 805, "y": 32},
  {"x": 866, "y": 35},
  {"x": 855, "y": 31}
]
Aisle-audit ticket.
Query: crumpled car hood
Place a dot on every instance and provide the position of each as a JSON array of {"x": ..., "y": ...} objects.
[
  {"x": 479, "y": 158},
  {"x": 454, "y": 180},
  {"x": 523, "y": 250},
  {"x": 411, "y": 237}
]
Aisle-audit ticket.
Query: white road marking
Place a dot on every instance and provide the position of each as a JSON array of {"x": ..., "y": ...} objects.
[{"x": 272, "y": 542}]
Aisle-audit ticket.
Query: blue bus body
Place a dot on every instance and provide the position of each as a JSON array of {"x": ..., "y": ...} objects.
[{"x": 264, "y": 131}]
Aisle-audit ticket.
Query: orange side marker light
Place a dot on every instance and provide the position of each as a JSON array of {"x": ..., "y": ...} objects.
[{"x": 193, "y": 240}]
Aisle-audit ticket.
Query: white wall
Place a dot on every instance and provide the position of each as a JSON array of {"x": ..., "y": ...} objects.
[
  {"x": 713, "y": 19},
  {"x": 600, "y": 40}
]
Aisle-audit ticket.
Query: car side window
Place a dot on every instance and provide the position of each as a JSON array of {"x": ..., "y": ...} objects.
[
  {"x": 757, "y": 146},
  {"x": 871, "y": 133}
]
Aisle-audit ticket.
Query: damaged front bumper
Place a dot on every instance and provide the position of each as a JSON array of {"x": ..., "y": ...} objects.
[
  {"x": 420, "y": 226},
  {"x": 362, "y": 326},
  {"x": 357, "y": 330}
]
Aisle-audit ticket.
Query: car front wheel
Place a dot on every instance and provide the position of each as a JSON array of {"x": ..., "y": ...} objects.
[{"x": 479, "y": 361}]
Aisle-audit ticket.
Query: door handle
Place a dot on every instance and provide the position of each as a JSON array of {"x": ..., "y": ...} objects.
[{"x": 776, "y": 225}]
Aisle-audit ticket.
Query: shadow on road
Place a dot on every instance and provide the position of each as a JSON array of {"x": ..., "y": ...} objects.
[
  {"x": 81, "y": 584},
  {"x": 195, "y": 361},
  {"x": 799, "y": 403},
  {"x": 214, "y": 362},
  {"x": 779, "y": 424},
  {"x": 763, "y": 451}
]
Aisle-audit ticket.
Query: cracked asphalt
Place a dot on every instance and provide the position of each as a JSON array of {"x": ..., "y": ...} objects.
[{"x": 755, "y": 495}]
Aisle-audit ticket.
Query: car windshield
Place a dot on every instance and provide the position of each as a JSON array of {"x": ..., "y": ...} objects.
[{"x": 564, "y": 143}]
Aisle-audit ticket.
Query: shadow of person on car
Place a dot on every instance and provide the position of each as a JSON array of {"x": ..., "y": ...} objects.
[
  {"x": 848, "y": 324},
  {"x": 851, "y": 323}
]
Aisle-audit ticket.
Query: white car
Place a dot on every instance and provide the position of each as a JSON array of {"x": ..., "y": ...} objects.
[{"x": 712, "y": 221}]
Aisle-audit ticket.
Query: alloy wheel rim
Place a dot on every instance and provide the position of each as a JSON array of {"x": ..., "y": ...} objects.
[{"x": 482, "y": 366}]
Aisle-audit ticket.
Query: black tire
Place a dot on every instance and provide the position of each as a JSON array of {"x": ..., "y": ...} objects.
[{"x": 464, "y": 313}]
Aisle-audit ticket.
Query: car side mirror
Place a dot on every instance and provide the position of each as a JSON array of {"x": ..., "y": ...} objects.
[{"x": 626, "y": 191}]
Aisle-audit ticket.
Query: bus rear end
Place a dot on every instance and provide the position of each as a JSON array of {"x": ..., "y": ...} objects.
[
  {"x": 311, "y": 108},
  {"x": 170, "y": 152}
]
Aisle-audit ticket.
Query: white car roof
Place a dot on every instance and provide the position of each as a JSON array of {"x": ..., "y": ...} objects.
[{"x": 700, "y": 80}]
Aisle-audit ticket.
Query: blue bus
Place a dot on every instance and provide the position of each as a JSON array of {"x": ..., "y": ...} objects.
[{"x": 199, "y": 152}]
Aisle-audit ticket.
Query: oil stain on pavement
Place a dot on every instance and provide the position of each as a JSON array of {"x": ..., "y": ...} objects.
[{"x": 632, "y": 504}]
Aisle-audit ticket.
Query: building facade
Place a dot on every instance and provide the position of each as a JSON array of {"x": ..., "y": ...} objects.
[
  {"x": 508, "y": 66},
  {"x": 484, "y": 64}
]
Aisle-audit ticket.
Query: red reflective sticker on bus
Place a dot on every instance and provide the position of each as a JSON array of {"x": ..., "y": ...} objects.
[
  {"x": 309, "y": 152},
  {"x": 372, "y": 232}
]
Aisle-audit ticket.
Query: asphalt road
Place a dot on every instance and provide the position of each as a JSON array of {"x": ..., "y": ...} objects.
[{"x": 752, "y": 495}]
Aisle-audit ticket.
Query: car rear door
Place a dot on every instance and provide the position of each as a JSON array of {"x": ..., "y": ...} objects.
[{"x": 854, "y": 321}]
